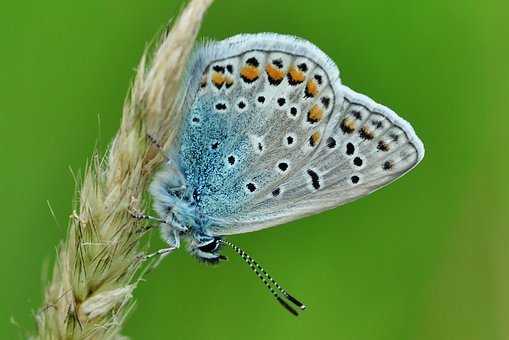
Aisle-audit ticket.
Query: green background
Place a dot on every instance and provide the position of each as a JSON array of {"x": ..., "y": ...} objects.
[{"x": 425, "y": 258}]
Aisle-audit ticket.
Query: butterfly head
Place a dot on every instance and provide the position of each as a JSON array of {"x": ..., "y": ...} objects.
[{"x": 206, "y": 248}]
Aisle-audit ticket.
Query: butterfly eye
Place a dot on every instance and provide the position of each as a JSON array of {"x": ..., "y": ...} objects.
[{"x": 210, "y": 247}]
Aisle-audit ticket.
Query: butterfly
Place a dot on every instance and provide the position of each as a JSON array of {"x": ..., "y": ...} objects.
[{"x": 269, "y": 135}]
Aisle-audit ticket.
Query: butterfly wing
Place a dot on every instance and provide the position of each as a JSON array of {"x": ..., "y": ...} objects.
[{"x": 271, "y": 135}]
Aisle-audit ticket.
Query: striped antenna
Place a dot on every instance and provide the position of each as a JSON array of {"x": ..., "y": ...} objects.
[{"x": 258, "y": 270}]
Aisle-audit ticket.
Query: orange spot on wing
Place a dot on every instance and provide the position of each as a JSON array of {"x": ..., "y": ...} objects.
[
  {"x": 274, "y": 73},
  {"x": 315, "y": 138},
  {"x": 348, "y": 125},
  {"x": 218, "y": 79},
  {"x": 382, "y": 146},
  {"x": 311, "y": 88},
  {"x": 315, "y": 114},
  {"x": 249, "y": 73},
  {"x": 295, "y": 76},
  {"x": 365, "y": 133}
]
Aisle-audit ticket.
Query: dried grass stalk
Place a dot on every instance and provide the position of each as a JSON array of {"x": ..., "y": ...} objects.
[{"x": 98, "y": 264}]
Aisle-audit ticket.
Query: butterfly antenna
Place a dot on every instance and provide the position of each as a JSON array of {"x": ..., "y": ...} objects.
[{"x": 257, "y": 269}]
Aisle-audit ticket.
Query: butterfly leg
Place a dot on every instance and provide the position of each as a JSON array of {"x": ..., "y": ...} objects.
[
  {"x": 140, "y": 216},
  {"x": 161, "y": 252},
  {"x": 172, "y": 237}
]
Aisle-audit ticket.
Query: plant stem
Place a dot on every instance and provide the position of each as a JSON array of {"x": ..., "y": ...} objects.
[{"x": 98, "y": 264}]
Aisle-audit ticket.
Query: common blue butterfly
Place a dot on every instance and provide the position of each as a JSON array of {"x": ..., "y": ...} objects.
[{"x": 269, "y": 135}]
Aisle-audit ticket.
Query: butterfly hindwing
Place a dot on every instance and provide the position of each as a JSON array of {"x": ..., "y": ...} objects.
[{"x": 271, "y": 135}]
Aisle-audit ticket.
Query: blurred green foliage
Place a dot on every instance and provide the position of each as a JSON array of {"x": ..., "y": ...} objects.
[{"x": 425, "y": 258}]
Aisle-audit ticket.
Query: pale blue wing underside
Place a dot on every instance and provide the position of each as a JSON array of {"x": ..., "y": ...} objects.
[{"x": 270, "y": 135}]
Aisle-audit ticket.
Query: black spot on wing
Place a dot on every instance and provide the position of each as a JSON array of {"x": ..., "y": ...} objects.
[
  {"x": 377, "y": 124},
  {"x": 315, "y": 179},
  {"x": 253, "y": 62},
  {"x": 251, "y": 187},
  {"x": 303, "y": 67},
  {"x": 278, "y": 63},
  {"x": 331, "y": 143},
  {"x": 273, "y": 81},
  {"x": 346, "y": 126},
  {"x": 388, "y": 165},
  {"x": 218, "y": 68},
  {"x": 248, "y": 80},
  {"x": 220, "y": 106},
  {"x": 382, "y": 146},
  {"x": 365, "y": 134},
  {"x": 350, "y": 149},
  {"x": 357, "y": 115},
  {"x": 325, "y": 102}
]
